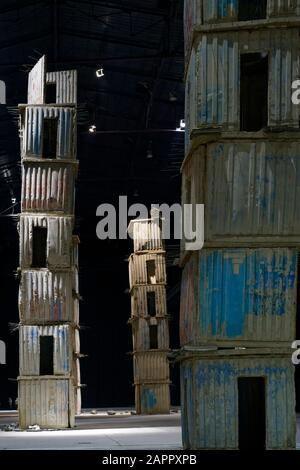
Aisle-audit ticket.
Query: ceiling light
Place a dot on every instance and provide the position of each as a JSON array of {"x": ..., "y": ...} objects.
[
  {"x": 172, "y": 97},
  {"x": 182, "y": 124},
  {"x": 92, "y": 129},
  {"x": 136, "y": 193},
  {"x": 100, "y": 73}
]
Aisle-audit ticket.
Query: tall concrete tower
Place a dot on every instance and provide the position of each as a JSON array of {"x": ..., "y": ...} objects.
[
  {"x": 149, "y": 319},
  {"x": 238, "y": 302},
  {"x": 49, "y": 381}
]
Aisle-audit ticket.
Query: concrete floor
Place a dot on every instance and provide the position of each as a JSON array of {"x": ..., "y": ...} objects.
[
  {"x": 99, "y": 432},
  {"x": 102, "y": 432}
]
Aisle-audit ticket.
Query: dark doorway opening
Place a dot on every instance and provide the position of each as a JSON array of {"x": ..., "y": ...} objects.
[
  {"x": 252, "y": 10},
  {"x": 254, "y": 92},
  {"x": 39, "y": 247},
  {"x": 153, "y": 336},
  {"x": 150, "y": 266},
  {"x": 50, "y": 127},
  {"x": 252, "y": 413},
  {"x": 46, "y": 355},
  {"x": 151, "y": 307},
  {"x": 51, "y": 93}
]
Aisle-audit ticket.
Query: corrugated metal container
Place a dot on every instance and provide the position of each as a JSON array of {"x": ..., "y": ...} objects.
[
  {"x": 244, "y": 296},
  {"x": 46, "y": 296},
  {"x": 139, "y": 304},
  {"x": 251, "y": 190},
  {"x": 141, "y": 334},
  {"x": 217, "y": 76},
  {"x": 150, "y": 367},
  {"x": 46, "y": 401},
  {"x": 152, "y": 399},
  {"x": 66, "y": 85},
  {"x": 209, "y": 391},
  {"x": 192, "y": 18},
  {"x": 146, "y": 236},
  {"x": 59, "y": 241},
  {"x": 33, "y": 131},
  {"x": 48, "y": 187},
  {"x": 36, "y": 82},
  {"x": 189, "y": 301},
  {"x": 191, "y": 105},
  {"x": 138, "y": 269},
  {"x": 29, "y": 340}
]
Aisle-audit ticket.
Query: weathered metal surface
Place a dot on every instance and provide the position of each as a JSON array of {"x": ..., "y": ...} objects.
[
  {"x": 29, "y": 344},
  {"x": 141, "y": 334},
  {"x": 217, "y": 76},
  {"x": 33, "y": 131},
  {"x": 192, "y": 18},
  {"x": 48, "y": 187},
  {"x": 189, "y": 301},
  {"x": 138, "y": 269},
  {"x": 59, "y": 242},
  {"x": 252, "y": 190},
  {"x": 46, "y": 401},
  {"x": 243, "y": 295},
  {"x": 36, "y": 83},
  {"x": 46, "y": 296},
  {"x": 209, "y": 397},
  {"x": 66, "y": 85},
  {"x": 151, "y": 367},
  {"x": 191, "y": 105},
  {"x": 139, "y": 304},
  {"x": 146, "y": 235},
  {"x": 152, "y": 399}
]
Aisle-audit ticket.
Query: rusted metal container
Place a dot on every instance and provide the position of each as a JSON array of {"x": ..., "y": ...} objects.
[
  {"x": 152, "y": 399},
  {"x": 151, "y": 366},
  {"x": 243, "y": 186},
  {"x": 138, "y": 269},
  {"x": 47, "y": 187},
  {"x": 47, "y": 401},
  {"x": 139, "y": 301},
  {"x": 210, "y": 399},
  {"x": 32, "y": 130},
  {"x": 59, "y": 239},
  {"x": 141, "y": 333},
  {"x": 64, "y": 340},
  {"x": 46, "y": 297},
  {"x": 66, "y": 85},
  {"x": 146, "y": 235},
  {"x": 215, "y": 87},
  {"x": 240, "y": 297}
]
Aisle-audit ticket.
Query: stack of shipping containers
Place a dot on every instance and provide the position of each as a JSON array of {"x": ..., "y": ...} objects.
[
  {"x": 149, "y": 319},
  {"x": 239, "y": 294},
  {"x": 49, "y": 381}
]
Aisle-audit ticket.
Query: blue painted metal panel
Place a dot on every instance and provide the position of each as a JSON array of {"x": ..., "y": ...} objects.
[
  {"x": 247, "y": 294},
  {"x": 210, "y": 401}
]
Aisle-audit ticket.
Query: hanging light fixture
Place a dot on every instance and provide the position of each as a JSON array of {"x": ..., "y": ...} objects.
[{"x": 99, "y": 73}]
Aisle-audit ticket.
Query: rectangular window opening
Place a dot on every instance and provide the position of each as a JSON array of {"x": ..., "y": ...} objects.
[
  {"x": 50, "y": 93},
  {"x": 151, "y": 304},
  {"x": 249, "y": 10},
  {"x": 46, "y": 355},
  {"x": 153, "y": 337},
  {"x": 151, "y": 277},
  {"x": 252, "y": 413},
  {"x": 50, "y": 127},
  {"x": 254, "y": 92},
  {"x": 39, "y": 247}
]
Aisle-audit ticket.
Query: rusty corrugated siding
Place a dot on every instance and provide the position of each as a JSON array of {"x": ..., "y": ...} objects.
[
  {"x": 240, "y": 295},
  {"x": 46, "y": 296},
  {"x": 138, "y": 271},
  {"x": 217, "y": 76},
  {"x": 59, "y": 243},
  {"x": 66, "y": 85},
  {"x": 151, "y": 366},
  {"x": 142, "y": 335},
  {"x": 147, "y": 236},
  {"x": 210, "y": 401},
  {"x": 45, "y": 401},
  {"x": 139, "y": 306},
  {"x": 47, "y": 188},
  {"x": 33, "y": 133}
]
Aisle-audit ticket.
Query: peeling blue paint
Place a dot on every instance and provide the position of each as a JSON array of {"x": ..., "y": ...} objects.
[
  {"x": 148, "y": 400},
  {"x": 227, "y": 8}
]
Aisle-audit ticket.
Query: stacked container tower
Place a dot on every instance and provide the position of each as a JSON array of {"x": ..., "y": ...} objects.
[
  {"x": 242, "y": 161},
  {"x": 149, "y": 319},
  {"x": 49, "y": 380}
]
